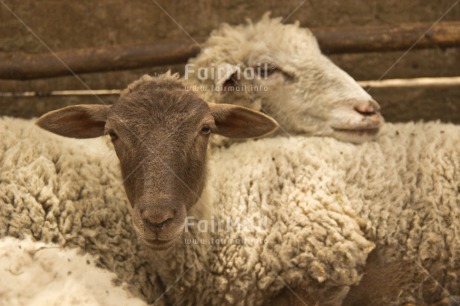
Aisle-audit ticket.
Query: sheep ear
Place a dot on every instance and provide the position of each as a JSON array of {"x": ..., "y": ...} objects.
[
  {"x": 78, "y": 121},
  {"x": 225, "y": 71},
  {"x": 240, "y": 122}
]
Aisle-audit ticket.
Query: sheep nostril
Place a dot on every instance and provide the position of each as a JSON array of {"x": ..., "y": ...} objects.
[
  {"x": 367, "y": 110},
  {"x": 157, "y": 225},
  {"x": 157, "y": 221}
]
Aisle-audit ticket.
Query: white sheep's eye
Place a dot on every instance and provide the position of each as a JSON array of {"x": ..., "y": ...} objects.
[
  {"x": 113, "y": 135},
  {"x": 205, "y": 130},
  {"x": 266, "y": 70}
]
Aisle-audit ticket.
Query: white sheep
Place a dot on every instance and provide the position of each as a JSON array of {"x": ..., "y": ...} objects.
[
  {"x": 297, "y": 88},
  {"x": 39, "y": 274},
  {"x": 315, "y": 207},
  {"x": 69, "y": 192},
  {"x": 279, "y": 69}
]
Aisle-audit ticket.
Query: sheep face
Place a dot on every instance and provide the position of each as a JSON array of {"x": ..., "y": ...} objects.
[
  {"x": 291, "y": 80},
  {"x": 160, "y": 133}
]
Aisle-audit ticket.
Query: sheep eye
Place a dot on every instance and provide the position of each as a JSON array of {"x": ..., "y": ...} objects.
[
  {"x": 113, "y": 135},
  {"x": 271, "y": 71},
  {"x": 266, "y": 70},
  {"x": 205, "y": 130}
]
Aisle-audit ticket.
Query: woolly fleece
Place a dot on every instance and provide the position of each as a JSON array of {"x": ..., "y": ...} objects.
[
  {"x": 39, "y": 274},
  {"x": 327, "y": 202},
  {"x": 402, "y": 191}
]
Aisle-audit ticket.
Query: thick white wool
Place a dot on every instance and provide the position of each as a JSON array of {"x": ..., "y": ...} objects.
[
  {"x": 54, "y": 190},
  {"x": 327, "y": 201},
  {"x": 328, "y": 204},
  {"x": 39, "y": 274}
]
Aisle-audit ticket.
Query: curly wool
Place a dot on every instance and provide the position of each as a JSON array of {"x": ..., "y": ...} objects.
[
  {"x": 305, "y": 233},
  {"x": 69, "y": 192},
  {"x": 402, "y": 190},
  {"x": 35, "y": 273},
  {"x": 407, "y": 188},
  {"x": 56, "y": 191},
  {"x": 328, "y": 202}
]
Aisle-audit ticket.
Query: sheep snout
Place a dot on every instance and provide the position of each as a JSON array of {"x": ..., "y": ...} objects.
[
  {"x": 159, "y": 223},
  {"x": 368, "y": 109},
  {"x": 358, "y": 117},
  {"x": 158, "y": 220},
  {"x": 369, "y": 112}
]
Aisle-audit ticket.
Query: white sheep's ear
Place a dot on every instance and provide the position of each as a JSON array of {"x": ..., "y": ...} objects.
[
  {"x": 78, "y": 121},
  {"x": 225, "y": 71},
  {"x": 240, "y": 122}
]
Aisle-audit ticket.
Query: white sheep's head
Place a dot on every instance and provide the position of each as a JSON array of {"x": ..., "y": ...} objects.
[
  {"x": 160, "y": 133},
  {"x": 280, "y": 70}
]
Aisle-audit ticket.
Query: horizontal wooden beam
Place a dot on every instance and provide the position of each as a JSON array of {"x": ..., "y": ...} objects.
[
  {"x": 123, "y": 57},
  {"x": 389, "y": 38}
]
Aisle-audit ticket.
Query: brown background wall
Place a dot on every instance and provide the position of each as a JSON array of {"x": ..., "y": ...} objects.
[{"x": 65, "y": 24}]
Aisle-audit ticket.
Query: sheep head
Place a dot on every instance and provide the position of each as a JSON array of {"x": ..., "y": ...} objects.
[
  {"x": 160, "y": 134},
  {"x": 279, "y": 69}
]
